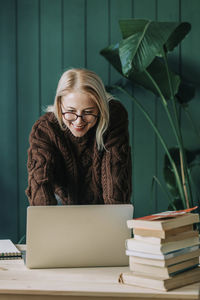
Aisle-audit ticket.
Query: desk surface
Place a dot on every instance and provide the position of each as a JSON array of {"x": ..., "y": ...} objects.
[{"x": 18, "y": 282}]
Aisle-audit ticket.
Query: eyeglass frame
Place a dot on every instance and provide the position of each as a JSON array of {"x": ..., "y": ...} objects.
[{"x": 77, "y": 116}]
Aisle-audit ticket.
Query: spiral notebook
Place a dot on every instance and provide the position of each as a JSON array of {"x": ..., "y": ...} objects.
[{"x": 8, "y": 250}]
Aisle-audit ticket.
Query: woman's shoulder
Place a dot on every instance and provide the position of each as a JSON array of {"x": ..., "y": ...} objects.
[
  {"x": 117, "y": 111},
  {"x": 48, "y": 120},
  {"x": 46, "y": 127}
]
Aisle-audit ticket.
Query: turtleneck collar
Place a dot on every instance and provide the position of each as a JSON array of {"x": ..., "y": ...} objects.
[{"x": 83, "y": 139}]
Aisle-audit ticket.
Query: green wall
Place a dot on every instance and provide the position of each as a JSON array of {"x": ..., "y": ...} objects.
[{"x": 40, "y": 39}]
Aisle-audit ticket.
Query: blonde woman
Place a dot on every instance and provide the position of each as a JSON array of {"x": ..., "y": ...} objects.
[{"x": 79, "y": 150}]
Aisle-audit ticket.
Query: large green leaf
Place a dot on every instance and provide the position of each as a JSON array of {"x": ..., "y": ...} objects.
[
  {"x": 156, "y": 69},
  {"x": 177, "y": 35},
  {"x": 143, "y": 40},
  {"x": 111, "y": 53},
  {"x": 186, "y": 92},
  {"x": 132, "y": 26}
]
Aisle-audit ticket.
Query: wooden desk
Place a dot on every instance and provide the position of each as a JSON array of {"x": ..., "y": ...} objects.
[{"x": 19, "y": 283}]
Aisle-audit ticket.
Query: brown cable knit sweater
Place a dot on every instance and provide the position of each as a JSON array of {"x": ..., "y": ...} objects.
[{"x": 73, "y": 168}]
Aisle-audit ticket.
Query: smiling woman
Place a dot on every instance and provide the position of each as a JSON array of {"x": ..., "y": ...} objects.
[
  {"x": 79, "y": 150},
  {"x": 80, "y": 113}
]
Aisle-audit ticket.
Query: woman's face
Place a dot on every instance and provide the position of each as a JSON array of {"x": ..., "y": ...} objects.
[{"x": 82, "y": 105}]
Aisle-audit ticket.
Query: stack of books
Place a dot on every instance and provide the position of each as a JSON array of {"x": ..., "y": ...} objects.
[{"x": 164, "y": 252}]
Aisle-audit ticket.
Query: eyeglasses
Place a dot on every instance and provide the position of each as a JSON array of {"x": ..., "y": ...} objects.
[{"x": 87, "y": 118}]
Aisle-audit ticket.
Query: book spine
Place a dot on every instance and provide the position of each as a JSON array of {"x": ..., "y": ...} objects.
[
  {"x": 169, "y": 255},
  {"x": 132, "y": 244}
]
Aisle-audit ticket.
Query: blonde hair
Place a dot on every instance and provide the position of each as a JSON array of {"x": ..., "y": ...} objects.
[{"x": 83, "y": 80}]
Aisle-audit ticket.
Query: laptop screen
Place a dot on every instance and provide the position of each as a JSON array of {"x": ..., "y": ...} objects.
[{"x": 77, "y": 235}]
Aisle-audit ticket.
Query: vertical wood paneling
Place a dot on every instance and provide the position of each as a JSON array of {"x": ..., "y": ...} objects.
[
  {"x": 8, "y": 108},
  {"x": 144, "y": 151},
  {"x": 28, "y": 89},
  {"x": 74, "y": 47},
  {"x": 190, "y": 68},
  {"x": 51, "y": 49},
  {"x": 121, "y": 9},
  {"x": 97, "y": 36},
  {"x": 190, "y": 48},
  {"x": 166, "y": 12}
]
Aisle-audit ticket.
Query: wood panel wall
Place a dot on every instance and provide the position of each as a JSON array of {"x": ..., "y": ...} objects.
[{"x": 39, "y": 40}]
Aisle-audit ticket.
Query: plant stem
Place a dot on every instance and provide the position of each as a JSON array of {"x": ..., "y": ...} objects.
[
  {"x": 183, "y": 162},
  {"x": 180, "y": 187},
  {"x": 183, "y": 180},
  {"x": 187, "y": 112},
  {"x": 164, "y": 102}
]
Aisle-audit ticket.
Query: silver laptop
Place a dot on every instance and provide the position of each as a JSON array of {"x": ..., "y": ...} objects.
[{"x": 77, "y": 235}]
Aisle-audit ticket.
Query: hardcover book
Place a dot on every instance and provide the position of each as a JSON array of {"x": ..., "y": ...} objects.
[
  {"x": 138, "y": 245},
  {"x": 165, "y": 272},
  {"x": 165, "y": 256},
  {"x": 163, "y": 262},
  {"x": 165, "y": 223},
  {"x": 163, "y": 234},
  {"x": 173, "y": 238},
  {"x": 163, "y": 284}
]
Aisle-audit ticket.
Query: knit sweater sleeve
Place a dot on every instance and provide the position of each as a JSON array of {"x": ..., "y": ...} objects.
[
  {"x": 116, "y": 164},
  {"x": 40, "y": 166}
]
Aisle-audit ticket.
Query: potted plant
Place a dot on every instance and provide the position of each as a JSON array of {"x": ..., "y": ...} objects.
[{"x": 142, "y": 58}]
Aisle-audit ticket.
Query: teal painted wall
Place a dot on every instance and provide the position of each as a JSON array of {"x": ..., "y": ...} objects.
[{"x": 40, "y": 39}]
